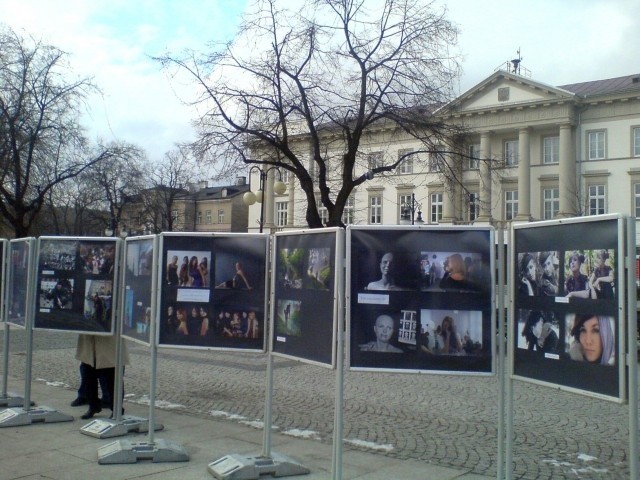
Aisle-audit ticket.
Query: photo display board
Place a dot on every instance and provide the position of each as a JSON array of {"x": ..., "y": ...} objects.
[
  {"x": 20, "y": 255},
  {"x": 304, "y": 306},
  {"x": 4, "y": 271},
  {"x": 76, "y": 284},
  {"x": 139, "y": 254},
  {"x": 213, "y": 292},
  {"x": 567, "y": 278},
  {"x": 421, "y": 299}
]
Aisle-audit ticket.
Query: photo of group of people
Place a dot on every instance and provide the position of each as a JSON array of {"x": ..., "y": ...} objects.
[
  {"x": 190, "y": 272},
  {"x": 303, "y": 316},
  {"x": 75, "y": 284},
  {"x": 213, "y": 291},
  {"x": 587, "y": 274},
  {"x": 308, "y": 268},
  {"x": 583, "y": 337},
  {"x": 429, "y": 271}
]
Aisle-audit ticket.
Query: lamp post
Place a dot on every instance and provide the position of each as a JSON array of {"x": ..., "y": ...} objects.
[
  {"x": 407, "y": 217},
  {"x": 251, "y": 198}
]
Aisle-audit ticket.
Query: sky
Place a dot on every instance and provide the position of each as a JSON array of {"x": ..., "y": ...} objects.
[{"x": 560, "y": 42}]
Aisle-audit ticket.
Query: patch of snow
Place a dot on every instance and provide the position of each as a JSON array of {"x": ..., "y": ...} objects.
[
  {"x": 586, "y": 458},
  {"x": 306, "y": 434},
  {"x": 370, "y": 445}
]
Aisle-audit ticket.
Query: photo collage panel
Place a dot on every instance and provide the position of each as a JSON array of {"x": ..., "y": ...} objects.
[
  {"x": 304, "y": 299},
  {"x": 136, "y": 322},
  {"x": 75, "y": 284},
  {"x": 431, "y": 305},
  {"x": 213, "y": 292}
]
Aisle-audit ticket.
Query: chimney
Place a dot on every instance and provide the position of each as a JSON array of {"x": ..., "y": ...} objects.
[{"x": 240, "y": 181}]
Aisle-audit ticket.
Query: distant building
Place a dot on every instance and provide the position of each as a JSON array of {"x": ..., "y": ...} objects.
[{"x": 550, "y": 152}]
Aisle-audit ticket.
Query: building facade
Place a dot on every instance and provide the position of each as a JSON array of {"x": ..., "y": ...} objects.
[{"x": 530, "y": 151}]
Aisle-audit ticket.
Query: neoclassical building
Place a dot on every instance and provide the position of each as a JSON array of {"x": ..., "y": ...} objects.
[{"x": 530, "y": 151}]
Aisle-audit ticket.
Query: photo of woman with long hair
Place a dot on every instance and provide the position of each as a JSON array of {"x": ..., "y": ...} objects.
[{"x": 592, "y": 339}]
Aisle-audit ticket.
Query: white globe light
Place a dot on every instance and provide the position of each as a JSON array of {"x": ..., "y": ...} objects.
[
  {"x": 249, "y": 198},
  {"x": 279, "y": 187},
  {"x": 259, "y": 196}
]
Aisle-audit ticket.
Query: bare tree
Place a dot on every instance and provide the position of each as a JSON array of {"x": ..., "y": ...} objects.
[
  {"x": 169, "y": 180},
  {"x": 41, "y": 140},
  {"x": 320, "y": 80},
  {"x": 120, "y": 181}
]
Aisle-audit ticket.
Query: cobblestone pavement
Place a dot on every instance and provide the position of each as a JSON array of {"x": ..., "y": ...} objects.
[{"x": 441, "y": 419}]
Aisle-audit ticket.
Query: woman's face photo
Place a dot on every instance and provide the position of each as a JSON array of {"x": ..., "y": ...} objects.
[
  {"x": 531, "y": 270},
  {"x": 574, "y": 264},
  {"x": 194, "y": 312},
  {"x": 536, "y": 329},
  {"x": 590, "y": 340},
  {"x": 548, "y": 267}
]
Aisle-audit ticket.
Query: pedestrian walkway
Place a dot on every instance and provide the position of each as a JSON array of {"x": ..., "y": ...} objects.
[{"x": 60, "y": 451}]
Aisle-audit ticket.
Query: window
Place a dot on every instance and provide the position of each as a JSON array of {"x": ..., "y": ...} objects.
[
  {"x": 596, "y": 145},
  {"x": 322, "y": 211},
  {"x": 174, "y": 215},
  {"x": 436, "y": 207},
  {"x": 636, "y": 196},
  {"x": 284, "y": 176},
  {"x": 281, "y": 214},
  {"x": 403, "y": 201},
  {"x": 597, "y": 200},
  {"x": 636, "y": 142},
  {"x": 407, "y": 164},
  {"x": 375, "y": 209},
  {"x": 348, "y": 212},
  {"x": 510, "y": 204},
  {"x": 551, "y": 150},
  {"x": 474, "y": 157},
  {"x": 208, "y": 216},
  {"x": 551, "y": 203},
  {"x": 374, "y": 160},
  {"x": 473, "y": 209},
  {"x": 511, "y": 152},
  {"x": 199, "y": 218},
  {"x": 436, "y": 159},
  {"x": 220, "y": 216}
]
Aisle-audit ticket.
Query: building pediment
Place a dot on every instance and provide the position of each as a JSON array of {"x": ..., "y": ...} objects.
[{"x": 504, "y": 90}]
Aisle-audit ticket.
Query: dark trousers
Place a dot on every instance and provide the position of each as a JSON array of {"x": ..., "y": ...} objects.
[
  {"x": 103, "y": 380},
  {"x": 95, "y": 375}
]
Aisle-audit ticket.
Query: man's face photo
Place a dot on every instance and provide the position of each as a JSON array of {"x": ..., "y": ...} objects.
[
  {"x": 386, "y": 263},
  {"x": 383, "y": 328}
]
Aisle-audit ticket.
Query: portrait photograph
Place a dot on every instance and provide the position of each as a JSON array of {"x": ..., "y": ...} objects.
[
  {"x": 589, "y": 274},
  {"x": 56, "y": 293},
  {"x": 57, "y": 255},
  {"x": 539, "y": 331},
  {"x": 538, "y": 274},
  {"x": 140, "y": 258},
  {"x": 590, "y": 338},
  {"x": 450, "y": 332},
  {"x": 98, "y": 296},
  {"x": 384, "y": 330},
  {"x": 453, "y": 271},
  {"x": 233, "y": 271}
]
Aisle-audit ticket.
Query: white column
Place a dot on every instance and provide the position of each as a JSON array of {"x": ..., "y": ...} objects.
[
  {"x": 485, "y": 177},
  {"x": 567, "y": 173},
  {"x": 268, "y": 199},
  {"x": 291, "y": 203},
  {"x": 524, "y": 176}
]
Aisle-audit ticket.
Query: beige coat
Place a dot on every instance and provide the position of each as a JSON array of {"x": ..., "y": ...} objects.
[{"x": 99, "y": 351}]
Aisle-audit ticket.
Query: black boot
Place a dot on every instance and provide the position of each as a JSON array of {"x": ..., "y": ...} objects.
[{"x": 91, "y": 412}]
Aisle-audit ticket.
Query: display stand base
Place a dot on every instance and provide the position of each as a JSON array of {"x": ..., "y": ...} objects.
[
  {"x": 124, "y": 451},
  {"x": 17, "y": 417},
  {"x": 12, "y": 400},
  {"x": 237, "y": 467},
  {"x": 108, "y": 428}
]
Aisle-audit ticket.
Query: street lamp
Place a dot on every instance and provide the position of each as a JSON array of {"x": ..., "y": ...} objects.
[
  {"x": 250, "y": 198},
  {"x": 407, "y": 216}
]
